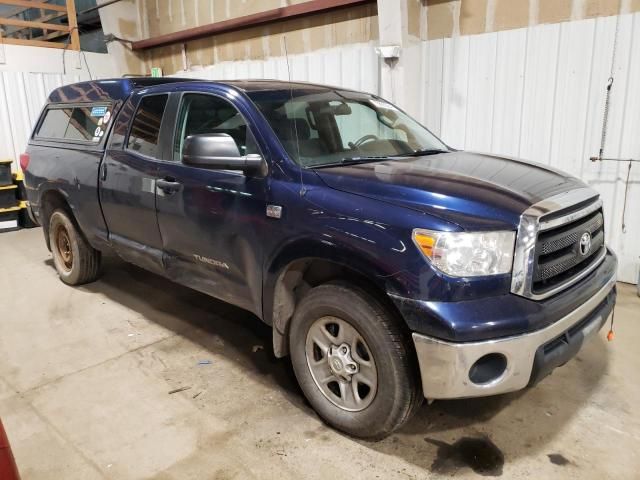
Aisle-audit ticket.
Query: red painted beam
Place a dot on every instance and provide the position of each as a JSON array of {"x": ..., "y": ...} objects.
[
  {"x": 248, "y": 21},
  {"x": 8, "y": 469}
]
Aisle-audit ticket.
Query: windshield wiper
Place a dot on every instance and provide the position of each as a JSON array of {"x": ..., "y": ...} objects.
[
  {"x": 376, "y": 158},
  {"x": 420, "y": 153},
  {"x": 351, "y": 161}
]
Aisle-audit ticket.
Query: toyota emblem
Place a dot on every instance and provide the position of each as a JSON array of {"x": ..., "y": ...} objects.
[{"x": 585, "y": 243}]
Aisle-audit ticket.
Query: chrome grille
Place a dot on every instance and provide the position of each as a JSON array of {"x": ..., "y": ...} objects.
[
  {"x": 547, "y": 256},
  {"x": 558, "y": 254},
  {"x": 563, "y": 241}
]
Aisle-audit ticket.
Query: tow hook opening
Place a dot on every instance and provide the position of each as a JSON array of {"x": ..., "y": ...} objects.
[{"x": 488, "y": 368}]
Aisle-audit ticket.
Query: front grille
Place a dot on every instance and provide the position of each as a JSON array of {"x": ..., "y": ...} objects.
[{"x": 557, "y": 255}]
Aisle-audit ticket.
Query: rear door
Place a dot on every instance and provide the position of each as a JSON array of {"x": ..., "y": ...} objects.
[
  {"x": 128, "y": 178},
  {"x": 212, "y": 221}
]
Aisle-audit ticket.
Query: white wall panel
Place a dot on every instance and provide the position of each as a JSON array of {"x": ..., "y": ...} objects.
[
  {"x": 354, "y": 66},
  {"x": 538, "y": 93},
  {"x": 482, "y": 69},
  {"x": 433, "y": 83},
  {"x": 455, "y": 88},
  {"x": 508, "y": 94}
]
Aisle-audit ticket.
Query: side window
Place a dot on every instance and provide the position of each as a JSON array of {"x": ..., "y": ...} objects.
[
  {"x": 82, "y": 123},
  {"x": 55, "y": 123},
  {"x": 201, "y": 114},
  {"x": 145, "y": 130}
]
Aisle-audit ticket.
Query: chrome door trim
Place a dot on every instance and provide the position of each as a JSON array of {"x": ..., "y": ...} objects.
[{"x": 532, "y": 222}]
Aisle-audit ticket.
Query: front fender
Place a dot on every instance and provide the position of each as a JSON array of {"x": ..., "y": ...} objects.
[{"x": 378, "y": 269}]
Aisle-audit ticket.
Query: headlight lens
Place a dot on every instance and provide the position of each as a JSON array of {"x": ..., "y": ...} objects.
[{"x": 467, "y": 254}]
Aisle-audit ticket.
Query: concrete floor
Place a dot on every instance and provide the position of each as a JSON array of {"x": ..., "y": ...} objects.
[{"x": 86, "y": 375}]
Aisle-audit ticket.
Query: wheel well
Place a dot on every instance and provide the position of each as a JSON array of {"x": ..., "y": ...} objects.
[
  {"x": 301, "y": 276},
  {"x": 51, "y": 201}
]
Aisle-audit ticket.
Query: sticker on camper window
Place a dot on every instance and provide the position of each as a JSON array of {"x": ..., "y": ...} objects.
[
  {"x": 97, "y": 132},
  {"x": 99, "y": 121},
  {"x": 98, "y": 111},
  {"x": 106, "y": 117}
]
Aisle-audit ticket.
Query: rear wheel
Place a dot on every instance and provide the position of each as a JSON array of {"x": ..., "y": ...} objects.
[
  {"x": 353, "y": 361},
  {"x": 76, "y": 261}
]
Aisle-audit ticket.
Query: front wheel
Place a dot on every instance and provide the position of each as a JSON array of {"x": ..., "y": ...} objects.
[
  {"x": 76, "y": 261},
  {"x": 353, "y": 361}
]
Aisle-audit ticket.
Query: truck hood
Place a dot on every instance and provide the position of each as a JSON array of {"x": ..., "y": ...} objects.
[{"x": 474, "y": 191}]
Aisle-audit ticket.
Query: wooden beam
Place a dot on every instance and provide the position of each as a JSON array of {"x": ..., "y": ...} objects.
[
  {"x": 14, "y": 12},
  {"x": 27, "y": 24},
  {"x": 72, "y": 20},
  {"x": 31, "y": 43},
  {"x": 28, "y": 4},
  {"x": 51, "y": 36},
  {"x": 45, "y": 18},
  {"x": 44, "y": 32}
]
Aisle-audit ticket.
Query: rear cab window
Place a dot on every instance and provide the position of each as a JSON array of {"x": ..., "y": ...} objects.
[
  {"x": 144, "y": 135},
  {"x": 86, "y": 123}
]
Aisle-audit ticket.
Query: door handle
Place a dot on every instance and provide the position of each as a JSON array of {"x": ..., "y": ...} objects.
[
  {"x": 168, "y": 185},
  {"x": 103, "y": 174}
]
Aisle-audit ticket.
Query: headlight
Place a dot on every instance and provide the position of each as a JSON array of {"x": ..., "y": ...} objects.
[{"x": 467, "y": 254}]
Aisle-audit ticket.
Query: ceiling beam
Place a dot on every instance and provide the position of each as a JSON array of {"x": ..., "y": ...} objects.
[
  {"x": 28, "y": 24},
  {"x": 29, "y": 4},
  {"x": 31, "y": 43},
  {"x": 44, "y": 18},
  {"x": 72, "y": 20}
]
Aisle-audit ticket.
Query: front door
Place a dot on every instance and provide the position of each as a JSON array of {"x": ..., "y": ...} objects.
[
  {"x": 211, "y": 221},
  {"x": 127, "y": 182}
]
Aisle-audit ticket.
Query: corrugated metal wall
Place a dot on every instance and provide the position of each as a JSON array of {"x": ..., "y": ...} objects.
[
  {"x": 538, "y": 93},
  {"x": 535, "y": 93},
  {"x": 354, "y": 66}
]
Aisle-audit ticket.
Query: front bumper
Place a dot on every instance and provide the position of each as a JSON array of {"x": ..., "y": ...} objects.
[{"x": 445, "y": 366}]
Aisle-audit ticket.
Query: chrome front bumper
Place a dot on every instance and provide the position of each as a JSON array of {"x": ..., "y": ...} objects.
[{"x": 445, "y": 366}]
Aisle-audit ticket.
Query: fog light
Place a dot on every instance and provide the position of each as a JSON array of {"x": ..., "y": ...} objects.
[{"x": 488, "y": 368}]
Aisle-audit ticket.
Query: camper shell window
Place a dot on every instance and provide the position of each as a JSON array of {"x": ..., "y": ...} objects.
[{"x": 75, "y": 123}]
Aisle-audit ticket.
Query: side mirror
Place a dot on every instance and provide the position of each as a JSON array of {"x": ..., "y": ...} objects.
[{"x": 218, "y": 151}]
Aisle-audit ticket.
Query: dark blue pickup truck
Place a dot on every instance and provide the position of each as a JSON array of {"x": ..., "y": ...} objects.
[{"x": 390, "y": 267}]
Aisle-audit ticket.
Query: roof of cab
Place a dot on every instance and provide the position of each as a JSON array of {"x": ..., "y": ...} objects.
[{"x": 119, "y": 89}]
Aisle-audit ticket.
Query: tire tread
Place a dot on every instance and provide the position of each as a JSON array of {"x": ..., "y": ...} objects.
[
  {"x": 398, "y": 340},
  {"x": 89, "y": 259}
]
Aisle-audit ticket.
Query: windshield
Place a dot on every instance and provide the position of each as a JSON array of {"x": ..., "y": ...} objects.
[{"x": 325, "y": 127}]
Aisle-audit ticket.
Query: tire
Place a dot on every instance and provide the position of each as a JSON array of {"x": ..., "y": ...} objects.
[
  {"x": 381, "y": 349},
  {"x": 76, "y": 261}
]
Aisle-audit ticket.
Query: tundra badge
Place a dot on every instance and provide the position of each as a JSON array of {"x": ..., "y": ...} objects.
[{"x": 211, "y": 261}]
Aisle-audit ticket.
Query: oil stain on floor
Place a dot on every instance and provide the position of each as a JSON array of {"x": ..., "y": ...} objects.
[
  {"x": 558, "y": 459},
  {"x": 479, "y": 453}
]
